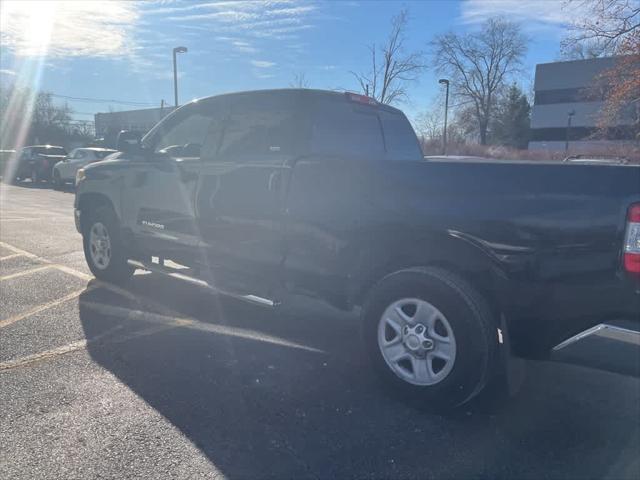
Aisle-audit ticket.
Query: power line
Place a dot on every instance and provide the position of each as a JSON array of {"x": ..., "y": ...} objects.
[{"x": 103, "y": 100}]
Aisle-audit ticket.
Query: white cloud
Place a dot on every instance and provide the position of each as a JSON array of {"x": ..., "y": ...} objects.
[
  {"x": 262, "y": 64},
  {"x": 258, "y": 18},
  {"x": 68, "y": 28},
  {"x": 533, "y": 14},
  {"x": 244, "y": 47},
  {"x": 6, "y": 71}
]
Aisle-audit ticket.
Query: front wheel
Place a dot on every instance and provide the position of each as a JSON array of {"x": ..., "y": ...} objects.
[
  {"x": 431, "y": 336},
  {"x": 57, "y": 181},
  {"x": 104, "y": 250}
]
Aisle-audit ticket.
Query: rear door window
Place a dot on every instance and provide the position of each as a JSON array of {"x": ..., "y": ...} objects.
[
  {"x": 400, "y": 140},
  {"x": 343, "y": 128}
]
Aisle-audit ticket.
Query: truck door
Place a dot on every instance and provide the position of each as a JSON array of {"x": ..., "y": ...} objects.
[
  {"x": 327, "y": 197},
  {"x": 240, "y": 199},
  {"x": 161, "y": 189}
]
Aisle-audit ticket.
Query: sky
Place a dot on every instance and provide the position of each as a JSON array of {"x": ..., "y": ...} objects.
[{"x": 122, "y": 50}]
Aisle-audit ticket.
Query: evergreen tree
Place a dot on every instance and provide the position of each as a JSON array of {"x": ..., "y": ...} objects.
[{"x": 512, "y": 119}]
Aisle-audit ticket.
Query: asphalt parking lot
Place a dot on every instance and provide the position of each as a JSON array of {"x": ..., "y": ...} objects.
[{"x": 164, "y": 380}]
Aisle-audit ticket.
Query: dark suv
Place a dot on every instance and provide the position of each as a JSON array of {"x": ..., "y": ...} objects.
[{"x": 36, "y": 162}]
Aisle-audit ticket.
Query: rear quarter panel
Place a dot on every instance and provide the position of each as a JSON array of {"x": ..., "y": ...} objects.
[{"x": 542, "y": 241}]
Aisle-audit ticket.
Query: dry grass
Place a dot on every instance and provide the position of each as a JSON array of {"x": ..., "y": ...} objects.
[{"x": 631, "y": 153}]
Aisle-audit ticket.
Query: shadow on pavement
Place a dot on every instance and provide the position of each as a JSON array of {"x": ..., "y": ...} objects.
[{"x": 267, "y": 395}]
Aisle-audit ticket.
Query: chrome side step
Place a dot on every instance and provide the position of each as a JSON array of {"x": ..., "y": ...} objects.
[
  {"x": 603, "y": 330},
  {"x": 175, "y": 273}
]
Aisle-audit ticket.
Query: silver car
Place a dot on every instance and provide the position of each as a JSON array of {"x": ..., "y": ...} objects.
[{"x": 65, "y": 170}]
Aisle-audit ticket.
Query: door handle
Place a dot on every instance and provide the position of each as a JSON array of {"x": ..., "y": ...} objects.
[{"x": 274, "y": 181}]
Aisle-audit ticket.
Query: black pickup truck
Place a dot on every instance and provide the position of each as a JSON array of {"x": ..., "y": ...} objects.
[{"x": 452, "y": 263}]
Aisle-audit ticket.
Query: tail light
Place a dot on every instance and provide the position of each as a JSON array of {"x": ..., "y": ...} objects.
[
  {"x": 632, "y": 240},
  {"x": 356, "y": 97}
]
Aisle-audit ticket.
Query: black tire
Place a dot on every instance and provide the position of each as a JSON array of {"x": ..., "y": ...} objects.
[
  {"x": 470, "y": 319},
  {"x": 35, "y": 177},
  {"x": 56, "y": 180},
  {"x": 117, "y": 270}
]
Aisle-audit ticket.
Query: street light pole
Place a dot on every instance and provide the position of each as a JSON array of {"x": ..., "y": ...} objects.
[
  {"x": 570, "y": 115},
  {"x": 444, "y": 81},
  {"x": 176, "y": 50}
]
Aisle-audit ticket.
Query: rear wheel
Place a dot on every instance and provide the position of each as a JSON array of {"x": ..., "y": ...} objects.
[
  {"x": 431, "y": 336},
  {"x": 104, "y": 250}
]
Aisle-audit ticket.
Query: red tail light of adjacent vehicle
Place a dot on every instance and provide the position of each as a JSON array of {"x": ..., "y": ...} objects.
[{"x": 632, "y": 240}]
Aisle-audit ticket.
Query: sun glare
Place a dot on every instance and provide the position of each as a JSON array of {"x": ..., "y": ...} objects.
[{"x": 38, "y": 19}]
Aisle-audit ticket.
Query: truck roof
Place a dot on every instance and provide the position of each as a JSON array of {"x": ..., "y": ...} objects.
[{"x": 311, "y": 92}]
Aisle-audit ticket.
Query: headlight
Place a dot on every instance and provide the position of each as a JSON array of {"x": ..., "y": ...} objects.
[{"x": 80, "y": 175}]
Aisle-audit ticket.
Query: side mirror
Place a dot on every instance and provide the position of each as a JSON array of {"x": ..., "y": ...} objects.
[{"x": 129, "y": 142}]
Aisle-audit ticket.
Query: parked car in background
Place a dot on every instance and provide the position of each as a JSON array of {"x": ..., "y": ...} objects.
[
  {"x": 5, "y": 158},
  {"x": 65, "y": 170},
  {"x": 36, "y": 162}
]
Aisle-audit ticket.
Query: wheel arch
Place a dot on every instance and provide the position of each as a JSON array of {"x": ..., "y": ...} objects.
[
  {"x": 451, "y": 254},
  {"x": 91, "y": 201}
]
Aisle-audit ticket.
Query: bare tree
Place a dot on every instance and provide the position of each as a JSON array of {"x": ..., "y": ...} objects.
[
  {"x": 602, "y": 26},
  {"x": 479, "y": 64},
  {"x": 391, "y": 66},
  {"x": 429, "y": 124},
  {"x": 614, "y": 27},
  {"x": 299, "y": 81}
]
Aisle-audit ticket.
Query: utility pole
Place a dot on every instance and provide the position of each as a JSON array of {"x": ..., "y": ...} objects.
[
  {"x": 570, "y": 115},
  {"x": 444, "y": 81},
  {"x": 176, "y": 50}
]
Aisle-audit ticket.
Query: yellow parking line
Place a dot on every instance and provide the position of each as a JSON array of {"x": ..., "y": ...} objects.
[
  {"x": 83, "y": 276},
  {"x": 40, "y": 308},
  {"x": 18, "y": 250},
  {"x": 72, "y": 347},
  {"x": 78, "y": 345},
  {"x": 13, "y": 255},
  {"x": 24, "y": 272},
  {"x": 193, "y": 324},
  {"x": 73, "y": 271}
]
